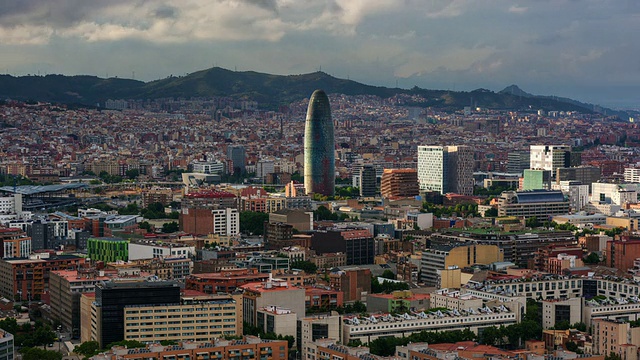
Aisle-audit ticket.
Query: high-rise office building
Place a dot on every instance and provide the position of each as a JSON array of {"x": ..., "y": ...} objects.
[
  {"x": 319, "y": 147},
  {"x": 446, "y": 169},
  {"x": 518, "y": 161},
  {"x": 550, "y": 157},
  {"x": 368, "y": 181},
  {"x": 236, "y": 154},
  {"x": 399, "y": 183}
]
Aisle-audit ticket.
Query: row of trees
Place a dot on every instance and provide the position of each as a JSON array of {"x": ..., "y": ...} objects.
[
  {"x": 463, "y": 210},
  {"x": 256, "y": 331},
  {"x": 27, "y": 335}
]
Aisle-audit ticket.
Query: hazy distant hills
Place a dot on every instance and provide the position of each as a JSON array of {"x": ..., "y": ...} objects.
[{"x": 269, "y": 90}]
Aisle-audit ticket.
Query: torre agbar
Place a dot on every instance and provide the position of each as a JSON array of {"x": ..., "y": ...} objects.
[{"x": 319, "y": 147}]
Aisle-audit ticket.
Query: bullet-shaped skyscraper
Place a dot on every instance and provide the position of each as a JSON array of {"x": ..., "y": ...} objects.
[{"x": 319, "y": 147}]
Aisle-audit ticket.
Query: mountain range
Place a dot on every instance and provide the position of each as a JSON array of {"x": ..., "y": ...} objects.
[{"x": 268, "y": 90}]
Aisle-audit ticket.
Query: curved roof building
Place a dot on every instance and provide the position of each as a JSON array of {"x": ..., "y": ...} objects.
[{"x": 319, "y": 147}]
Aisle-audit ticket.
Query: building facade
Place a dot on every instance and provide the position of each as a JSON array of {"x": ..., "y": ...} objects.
[{"x": 319, "y": 147}]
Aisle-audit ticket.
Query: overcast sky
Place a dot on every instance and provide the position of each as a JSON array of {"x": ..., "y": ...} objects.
[{"x": 585, "y": 49}]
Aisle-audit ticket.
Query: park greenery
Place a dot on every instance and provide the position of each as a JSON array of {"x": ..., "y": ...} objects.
[
  {"x": 387, "y": 287},
  {"x": 322, "y": 214},
  {"x": 34, "y": 353},
  {"x": 28, "y": 335},
  {"x": 306, "y": 266},
  {"x": 252, "y": 222}
]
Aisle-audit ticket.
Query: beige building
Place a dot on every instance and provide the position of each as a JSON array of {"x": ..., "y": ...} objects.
[
  {"x": 300, "y": 220},
  {"x": 618, "y": 337},
  {"x": 439, "y": 258},
  {"x": 258, "y": 296},
  {"x": 557, "y": 310},
  {"x": 196, "y": 318},
  {"x": 277, "y": 320},
  {"x": 454, "y": 300},
  {"x": 318, "y": 327}
]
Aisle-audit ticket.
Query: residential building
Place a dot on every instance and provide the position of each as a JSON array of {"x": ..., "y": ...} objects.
[
  {"x": 249, "y": 347},
  {"x": 446, "y": 169},
  {"x": 617, "y": 337},
  {"x": 151, "y": 249},
  {"x": 257, "y": 296},
  {"x": 236, "y": 157},
  {"x": 354, "y": 283},
  {"x": 28, "y": 279},
  {"x": 226, "y": 281},
  {"x": 277, "y": 320},
  {"x": 561, "y": 310},
  {"x": 300, "y": 220},
  {"x": 6, "y": 346},
  {"x": 154, "y": 195},
  {"x": 226, "y": 221},
  {"x": 15, "y": 243},
  {"x": 318, "y": 298},
  {"x": 632, "y": 175},
  {"x": 398, "y": 301}
]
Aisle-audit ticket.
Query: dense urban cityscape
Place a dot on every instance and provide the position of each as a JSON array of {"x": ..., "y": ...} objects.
[
  {"x": 319, "y": 180},
  {"x": 188, "y": 229}
]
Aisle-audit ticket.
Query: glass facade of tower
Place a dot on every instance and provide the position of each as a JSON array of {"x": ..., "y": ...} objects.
[{"x": 319, "y": 147}]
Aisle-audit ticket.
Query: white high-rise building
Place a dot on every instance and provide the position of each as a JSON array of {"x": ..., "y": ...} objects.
[
  {"x": 632, "y": 175},
  {"x": 550, "y": 157},
  {"x": 208, "y": 167},
  {"x": 446, "y": 169},
  {"x": 226, "y": 221}
]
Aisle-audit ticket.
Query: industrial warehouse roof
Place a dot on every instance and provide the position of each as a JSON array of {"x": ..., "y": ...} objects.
[{"x": 39, "y": 189}]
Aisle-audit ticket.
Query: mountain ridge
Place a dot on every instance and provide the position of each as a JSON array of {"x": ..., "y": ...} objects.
[{"x": 269, "y": 90}]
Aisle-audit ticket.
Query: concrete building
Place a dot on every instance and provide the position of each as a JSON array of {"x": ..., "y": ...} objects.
[
  {"x": 368, "y": 182},
  {"x": 65, "y": 289},
  {"x": 319, "y": 147},
  {"x": 313, "y": 328},
  {"x": 632, "y": 175},
  {"x": 258, "y": 296},
  {"x": 249, "y": 347},
  {"x": 163, "y": 196},
  {"x": 6, "y": 346},
  {"x": 226, "y": 281},
  {"x": 150, "y": 249},
  {"x": 518, "y": 161},
  {"x": 376, "y": 326},
  {"x": 557, "y": 310},
  {"x": 355, "y": 284},
  {"x": 226, "y": 221},
  {"x": 439, "y": 258},
  {"x": 357, "y": 244},
  {"x": 208, "y": 167},
  {"x": 398, "y": 301},
  {"x": 617, "y": 337},
  {"x": 446, "y": 169},
  {"x": 299, "y": 219},
  {"x": 618, "y": 194},
  {"x": 586, "y": 175},
  {"x": 237, "y": 158},
  {"x": 622, "y": 254},
  {"x": 277, "y": 320},
  {"x": 15, "y": 243},
  {"x": 538, "y": 203}
]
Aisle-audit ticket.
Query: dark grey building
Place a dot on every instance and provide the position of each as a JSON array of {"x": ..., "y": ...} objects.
[
  {"x": 319, "y": 147},
  {"x": 113, "y": 297},
  {"x": 518, "y": 161},
  {"x": 357, "y": 244},
  {"x": 236, "y": 154},
  {"x": 368, "y": 182}
]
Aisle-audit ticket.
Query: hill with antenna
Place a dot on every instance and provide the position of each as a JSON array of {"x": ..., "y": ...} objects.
[{"x": 268, "y": 90}]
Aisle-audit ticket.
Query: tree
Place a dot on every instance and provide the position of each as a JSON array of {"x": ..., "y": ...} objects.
[
  {"x": 592, "y": 258},
  {"x": 533, "y": 222},
  {"x": 132, "y": 173},
  {"x": 88, "y": 348},
  {"x": 33, "y": 353},
  {"x": 252, "y": 222},
  {"x": 170, "y": 227},
  {"x": 612, "y": 356},
  {"x": 492, "y": 212},
  {"x": 571, "y": 346},
  {"x": 322, "y": 213},
  {"x": 388, "y": 274},
  {"x": 306, "y": 266},
  {"x": 145, "y": 225}
]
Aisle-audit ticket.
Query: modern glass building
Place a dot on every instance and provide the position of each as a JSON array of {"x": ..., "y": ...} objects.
[
  {"x": 319, "y": 147},
  {"x": 108, "y": 249}
]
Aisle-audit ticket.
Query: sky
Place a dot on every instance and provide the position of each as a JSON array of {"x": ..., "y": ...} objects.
[{"x": 588, "y": 50}]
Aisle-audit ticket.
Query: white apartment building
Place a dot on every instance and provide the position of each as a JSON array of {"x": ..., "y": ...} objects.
[
  {"x": 446, "y": 169},
  {"x": 149, "y": 249},
  {"x": 549, "y": 157},
  {"x": 208, "y": 167},
  {"x": 632, "y": 175},
  {"x": 370, "y": 328},
  {"x": 226, "y": 221},
  {"x": 617, "y": 194}
]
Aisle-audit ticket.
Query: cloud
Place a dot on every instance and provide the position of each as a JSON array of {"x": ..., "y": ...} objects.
[{"x": 515, "y": 9}]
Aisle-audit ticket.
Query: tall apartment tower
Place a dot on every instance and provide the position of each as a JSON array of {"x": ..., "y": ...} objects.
[
  {"x": 446, "y": 169},
  {"x": 236, "y": 154},
  {"x": 550, "y": 157},
  {"x": 319, "y": 147},
  {"x": 368, "y": 182}
]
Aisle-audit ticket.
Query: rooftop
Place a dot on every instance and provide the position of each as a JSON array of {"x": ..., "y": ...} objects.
[{"x": 40, "y": 189}]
